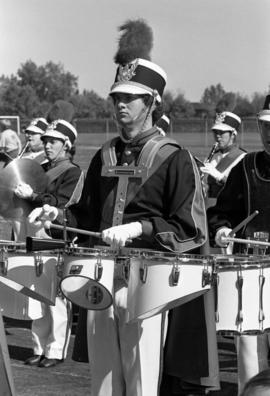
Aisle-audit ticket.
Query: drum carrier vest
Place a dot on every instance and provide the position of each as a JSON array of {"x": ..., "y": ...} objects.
[
  {"x": 152, "y": 155},
  {"x": 258, "y": 197}
]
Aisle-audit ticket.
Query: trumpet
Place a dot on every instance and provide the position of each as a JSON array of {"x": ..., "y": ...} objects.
[{"x": 212, "y": 152}]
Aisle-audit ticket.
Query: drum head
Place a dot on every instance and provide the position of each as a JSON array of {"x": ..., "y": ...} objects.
[{"x": 85, "y": 292}]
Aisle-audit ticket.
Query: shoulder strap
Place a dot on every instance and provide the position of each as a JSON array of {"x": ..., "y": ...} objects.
[
  {"x": 152, "y": 147},
  {"x": 54, "y": 173},
  {"x": 108, "y": 155},
  {"x": 153, "y": 154},
  {"x": 229, "y": 159}
]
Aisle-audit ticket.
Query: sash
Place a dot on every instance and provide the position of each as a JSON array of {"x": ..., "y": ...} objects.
[
  {"x": 229, "y": 159},
  {"x": 54, "y": 173}
]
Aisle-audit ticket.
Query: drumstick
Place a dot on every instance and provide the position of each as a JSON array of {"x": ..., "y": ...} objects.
[
  {"x": 246, "y": 241},
  {"x": 243, "y": 223},
  {"x": 79, "y": 231},
  {"x": 76, "y": 230}
]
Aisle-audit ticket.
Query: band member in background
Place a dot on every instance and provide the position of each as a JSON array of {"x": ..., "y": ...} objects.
[
  {"x": 34, "y": 148},
  {"x": 163, "y": 123},
  {"x": 51, "y": 333},
  {"x": 246, "y": 190},
  {"x": 10, "y": 143},
  {"x": 162, "y": 211},
  {"x": 226, "y": 155}
]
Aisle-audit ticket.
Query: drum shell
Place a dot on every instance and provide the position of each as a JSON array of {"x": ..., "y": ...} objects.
[
  {"x": 157, "y": 293},
  {"x": 254, "y": 296},
  {"x": 79, "y": 281},
  {"x": 35, "y": 288}
]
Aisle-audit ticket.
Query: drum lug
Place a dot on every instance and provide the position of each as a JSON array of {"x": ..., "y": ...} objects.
[
  {"x": 175, "y": 274},
  {"x": 3, "y": 262},
  {"x": 143, "y": 272},
  {"x": 206, "y": 277},
  {"x": 60, "y": 265},
  {"x": 126, "y": 270},
  {"x": 98, "y": 271},
  {"x": 38, "y": 264}
]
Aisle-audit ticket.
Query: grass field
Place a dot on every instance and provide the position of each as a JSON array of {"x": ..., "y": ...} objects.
[{"x": 198, "y": 143}]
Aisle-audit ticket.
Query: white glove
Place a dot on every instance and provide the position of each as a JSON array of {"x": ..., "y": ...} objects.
[
  {"x": 43, "y": 216},
  {"x": 210, "y": 169},
  {"x": 222, "y": 232},
  {"x": 117, "y": 236},
  {"x": 23, "y": 190}
]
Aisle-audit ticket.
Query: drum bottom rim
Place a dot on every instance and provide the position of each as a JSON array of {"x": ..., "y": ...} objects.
[{"x": 233, "y": 333}]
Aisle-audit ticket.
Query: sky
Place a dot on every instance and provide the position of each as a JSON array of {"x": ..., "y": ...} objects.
[{"x": 197, "y": 42}]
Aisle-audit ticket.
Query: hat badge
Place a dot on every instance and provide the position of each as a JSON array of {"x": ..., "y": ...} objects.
[
  {"x": 53, "y": 125},
  {"x": 127, "y": 71},
  {"x": 220, "y": 118}
]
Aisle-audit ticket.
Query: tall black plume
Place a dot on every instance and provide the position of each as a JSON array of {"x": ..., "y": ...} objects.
[{"x": 136, "y": 41}]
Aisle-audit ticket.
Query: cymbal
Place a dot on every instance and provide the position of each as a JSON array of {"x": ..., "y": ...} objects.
[{"x": 17, "y": 171}]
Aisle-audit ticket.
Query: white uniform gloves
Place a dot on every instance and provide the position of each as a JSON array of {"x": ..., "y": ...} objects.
[
  {"x": 23, "y": 190},
  {"x": 117, "y": 236},
  {"x": 210, "y": 169},
  {"x": 221, "y": 233},
  {"x": 43, "y": 216}
]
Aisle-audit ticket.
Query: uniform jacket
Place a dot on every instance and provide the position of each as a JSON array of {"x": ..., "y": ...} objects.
[
  {"x": 247, "y": 186},
  {"x": 169, "y": 203}
]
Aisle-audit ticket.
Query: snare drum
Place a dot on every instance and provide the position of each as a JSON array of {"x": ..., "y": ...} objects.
[
  {"x": 160, "y": 281},
  {"x": 242, "y": 294},
  {"x": 33, "y": 275},
  {"x": 87, "y": 277}
]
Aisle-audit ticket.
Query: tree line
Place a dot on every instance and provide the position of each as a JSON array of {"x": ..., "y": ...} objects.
[{"x": 32, "y": 91}]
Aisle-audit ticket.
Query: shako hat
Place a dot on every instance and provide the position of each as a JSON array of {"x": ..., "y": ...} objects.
[
  {"x": 264, "y": 114},
  {"x": 37, "y": 125},
  {"x": 63, "y": 130},
  {"x": 136, "y": 74},
  {"x": 227, "y": 121}
]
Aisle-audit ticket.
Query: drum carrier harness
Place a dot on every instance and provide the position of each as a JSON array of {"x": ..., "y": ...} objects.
[{"x": 152, "y": 155}]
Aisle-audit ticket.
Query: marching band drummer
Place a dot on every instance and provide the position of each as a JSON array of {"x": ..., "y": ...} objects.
[
  {"x": 51, "y": 333},
  {"x": 164, "y": 210},
  {"x": 246, "y": 190}
]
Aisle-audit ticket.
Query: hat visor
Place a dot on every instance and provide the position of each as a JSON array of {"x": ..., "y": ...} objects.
[
  {"x": 55, "y": 135},
  {"x": 264, "y": 115},
  {"x": 34, "y": 129},
  {"x": 131, "y": 89},
  {"x": 222, "y": 127}
]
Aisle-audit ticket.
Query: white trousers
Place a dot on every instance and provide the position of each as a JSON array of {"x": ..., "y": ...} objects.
[
  {"x": 124, "y": 357},
  {"x": 252, "y": 356},
  {"x": 51, "y": 333}
]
